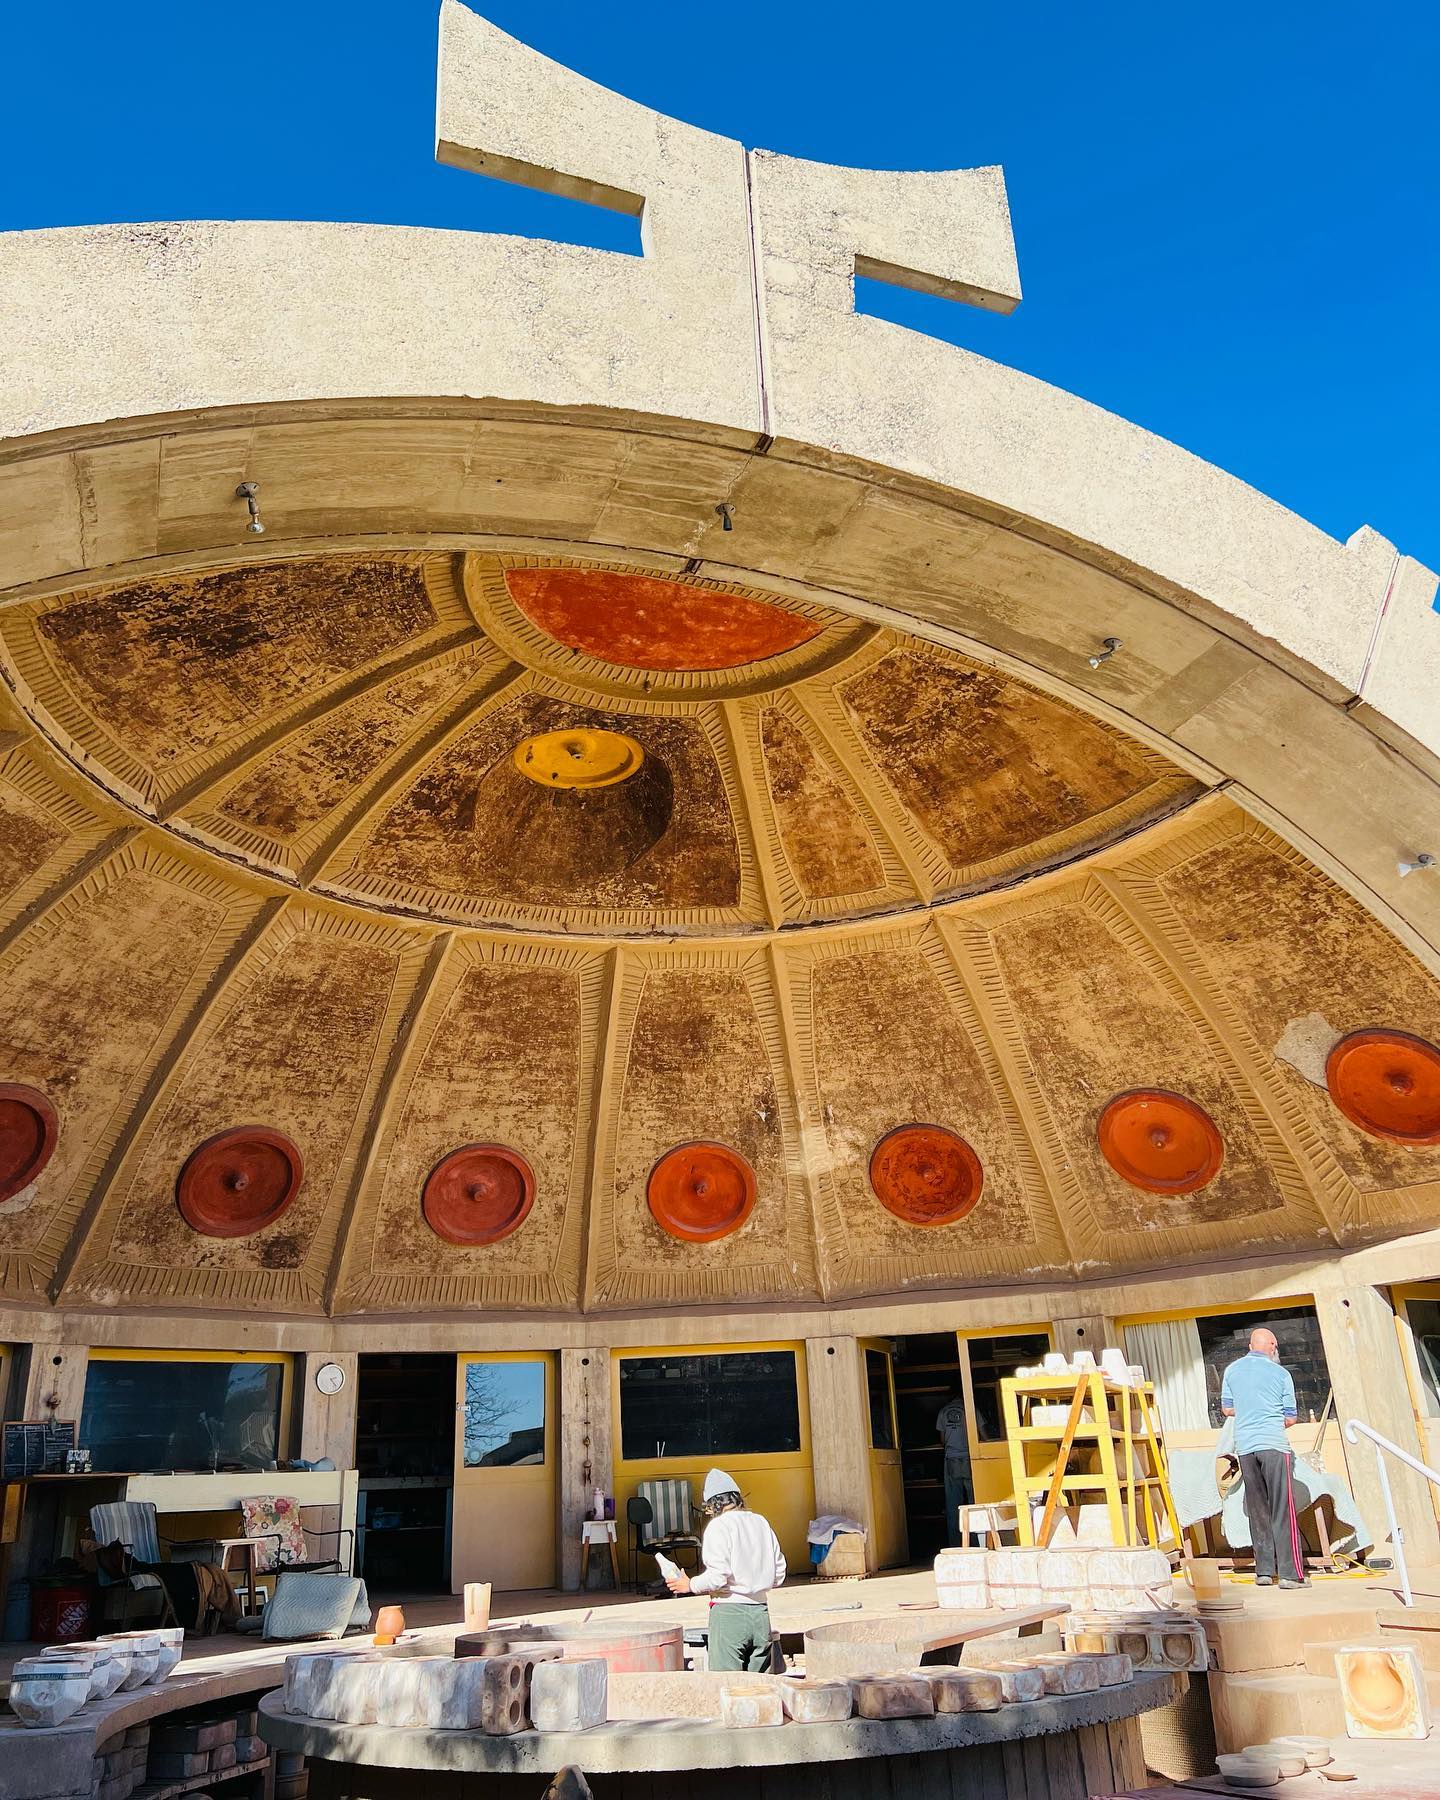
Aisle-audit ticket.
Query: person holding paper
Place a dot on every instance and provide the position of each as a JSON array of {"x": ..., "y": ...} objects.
[{"x": 742, "y": 1560}]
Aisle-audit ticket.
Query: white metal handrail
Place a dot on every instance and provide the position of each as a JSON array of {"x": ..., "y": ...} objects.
[{"x": 1354, "y": 1430}]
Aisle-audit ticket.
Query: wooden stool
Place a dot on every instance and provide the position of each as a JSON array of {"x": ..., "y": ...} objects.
[
  {"x": 598, "y": 1531},
  {"x": 988, "y": 1520}
]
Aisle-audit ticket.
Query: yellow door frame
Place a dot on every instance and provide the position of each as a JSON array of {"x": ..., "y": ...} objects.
[
  {"x": 1427, "y": 1427},
  {"x": 990, "y": 1459},
  {"x": 891, "y": 1539},
  {"x": 780, "y": 1484},
  {"x": 505, "y": 1521}
]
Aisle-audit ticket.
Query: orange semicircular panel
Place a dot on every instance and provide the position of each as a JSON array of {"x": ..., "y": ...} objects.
[
  {"x": 640, "y": 622},
  {"x": 478, "y": 1194},
  {"x": 1387, "y": 1083},
  {"x": 239, "y": 1181},
  {"x": 28, "y": 1129},
  {"x": 926, "y": 1175},
  {"x": 700, "y": 1192},
  {"x": 1160, "y": 1141}
]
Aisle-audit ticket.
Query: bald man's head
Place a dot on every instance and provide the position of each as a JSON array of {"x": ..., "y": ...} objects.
[{"x": 1264, "y": 1342}]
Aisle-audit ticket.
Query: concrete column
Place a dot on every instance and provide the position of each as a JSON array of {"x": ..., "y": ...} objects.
[
  {"x": 840, "y": 1431},
  {"x": 586, "y": 1452},
  {"x": 1086, "y": 1331},
  {"x": 1367, "y": 1372},
  {"x": 327, "y": 1421},
  {"x": 52, "y": 1382}
]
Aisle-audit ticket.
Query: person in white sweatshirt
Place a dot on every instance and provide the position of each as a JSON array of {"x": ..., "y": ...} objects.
[{"x": 742, "y": 1561}]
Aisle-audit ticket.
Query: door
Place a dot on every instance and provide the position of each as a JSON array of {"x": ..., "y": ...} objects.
[
  {"x": 986, "y": 1359},
  {"x": 1417, "y": 1317},
  {"x": 887, "y": 1481},
  {"x": 505, "y": 1491}
]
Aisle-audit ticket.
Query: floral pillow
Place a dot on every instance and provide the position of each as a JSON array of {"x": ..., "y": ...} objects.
[{"x": 267, "y": 1517}]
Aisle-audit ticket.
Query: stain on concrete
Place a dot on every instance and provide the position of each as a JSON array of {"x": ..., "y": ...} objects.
[
  {"x": 987, "y": 765},
  {"x": 472, "y": 824},
  {"x": 826, "y": 842},
  {"x": 28, "y": 836},
  {"x": 180, "y": 664}
]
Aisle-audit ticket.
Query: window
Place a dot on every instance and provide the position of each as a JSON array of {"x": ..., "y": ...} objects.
[
  {"x": 1424, "y": 1317},
  {"x": 504, "y": 1414},
  {"x": 993, "y": 1360},
  {"x": 1227, "y": 1335},
  {"x": 882, "y": 1413},
  {"x": 142, "y": 1415},
  {"x": 741, "y": 1403}
]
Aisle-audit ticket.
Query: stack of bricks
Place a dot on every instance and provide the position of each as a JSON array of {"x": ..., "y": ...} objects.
[
  {"x": 183, "y": 1750},
  {"x": 292, "y": 1780},
  {"x": 120, "y": 1765}
]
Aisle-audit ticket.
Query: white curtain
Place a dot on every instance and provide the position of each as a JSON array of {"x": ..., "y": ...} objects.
[{"x": 1169, "y": 1350}]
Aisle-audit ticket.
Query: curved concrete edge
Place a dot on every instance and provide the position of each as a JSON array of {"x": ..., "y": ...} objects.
[
  {"x": 674, "y": 1745},
  {"x": 62, "y": 1757}
]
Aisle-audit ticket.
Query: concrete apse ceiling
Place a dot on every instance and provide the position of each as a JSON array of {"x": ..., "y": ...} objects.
[{"x": 397, "y": 929}]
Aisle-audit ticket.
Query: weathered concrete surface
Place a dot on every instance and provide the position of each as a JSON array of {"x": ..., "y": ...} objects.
[{"x": 677, "y": 1744}]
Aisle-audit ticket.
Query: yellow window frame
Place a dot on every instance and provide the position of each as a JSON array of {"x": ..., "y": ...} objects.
[{"x": 284, "y": 1358}]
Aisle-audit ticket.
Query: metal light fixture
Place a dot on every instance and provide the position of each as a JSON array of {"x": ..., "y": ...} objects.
[
  {"x": 1421, "y": 860},
  {"x": 249, "y": 492},
  {"x": 1112, "y": 644},
  {"x": 725, "y": 511}
]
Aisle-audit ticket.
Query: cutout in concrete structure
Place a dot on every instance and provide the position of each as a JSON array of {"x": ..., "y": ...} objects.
[
  {"x": 28, "y": 1130},
  {"x": 478, "y": 1195},
  {"x": 1387, "y": 1083},
  {"x": 643, "y": 623},
  {"x": 700, "y": 1192},
  {"x": 239, "y": 1181},
  {"x": 926, "y": 1175},
  {"x": 1160, "y": 1141}
]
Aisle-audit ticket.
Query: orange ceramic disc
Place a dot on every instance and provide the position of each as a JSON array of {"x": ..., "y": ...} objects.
[
  {"x": 580, "y": 757},
  {"x": 239, "y": 1181},
  {"x": 700, "y": 1192},
  {"x": 641, "y": 622},
  {"x": 1387, "y": 1083},
  {"x": 28, "y": 1129},
  {"x": 1160, "y": 1141},
  {"x": 926, "y": 1175},
  {"x": 478, "y": 1194}
]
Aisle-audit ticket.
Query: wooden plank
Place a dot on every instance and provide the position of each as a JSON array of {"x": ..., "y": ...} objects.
[
  {"x": 1095, "y": 1759},
  {"x": 978, "y": 1776},
  {"x": 1016, "y": 1787},
  {"x": 1037, "y": 1776},
  {"x": 929, "y": 1777},
  {"x": 1126, "y": 1753},
  {"x": 1067, "y": 1772},
  {"x": 1062, "y": 1456}
]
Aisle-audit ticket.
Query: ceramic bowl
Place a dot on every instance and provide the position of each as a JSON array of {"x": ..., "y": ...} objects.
[
  {"x": 143, "y": 1652},
  {"x": 1290, "y": 1757},
  {"x": 1317, "y": 1751},
  {"x": 46, "y": 1691},
  {"x": 1247, "y": 1770},
  {"x": 105, "y": 1671}
]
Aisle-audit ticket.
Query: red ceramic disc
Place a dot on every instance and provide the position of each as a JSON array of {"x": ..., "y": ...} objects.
[
  {"x": 701, "y": 1192},
  {"x": 642, "y": 623},
  {"x": 1387, "y": 1083},
  {"x": 28, "y": 1128},
  {"x": 478, "y": 1194},
  {"x": 239, "y": 1181},
  {"x": 926, "y": 1175},
  {"x": 1160, "y": 1141}
]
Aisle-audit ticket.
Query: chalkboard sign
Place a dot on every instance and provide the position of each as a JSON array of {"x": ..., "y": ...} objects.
[{"x": 35, "y": 1447}]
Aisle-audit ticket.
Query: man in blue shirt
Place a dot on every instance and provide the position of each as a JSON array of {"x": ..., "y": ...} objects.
[{"x": 1260, "y": 1396}]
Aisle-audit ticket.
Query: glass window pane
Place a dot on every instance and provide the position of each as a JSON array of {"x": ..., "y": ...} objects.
[
  {"x": 504, "y": 1414},
  {"x": 1424, "y": 1317},
  {"x": 882, "y": 1414},
  {"x": 993, "y": 1360},
  {"x": 738, "y": 1404},
  {"x": 1226, "y": 1336},
  {"x": 144, "y": 1416}
]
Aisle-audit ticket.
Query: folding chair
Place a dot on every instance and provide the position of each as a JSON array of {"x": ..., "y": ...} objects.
[
  {"x": 668, "y": 1527},
  {"x": 132, "y": 1523}
]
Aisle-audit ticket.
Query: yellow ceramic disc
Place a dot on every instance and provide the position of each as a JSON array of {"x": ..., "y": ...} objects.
[{"x": 578, "y": 758}]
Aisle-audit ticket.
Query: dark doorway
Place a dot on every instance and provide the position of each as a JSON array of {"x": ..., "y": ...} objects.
[
  {"x": 405, "y": 1453},
  {"x": 927, "y": 1375}
]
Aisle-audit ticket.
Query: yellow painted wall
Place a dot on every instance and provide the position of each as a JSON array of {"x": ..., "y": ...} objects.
[{"x": 780, "y": 1486}]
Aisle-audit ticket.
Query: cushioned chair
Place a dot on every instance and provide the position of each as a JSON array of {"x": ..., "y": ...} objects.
[{"x": 132, "y": 1524}]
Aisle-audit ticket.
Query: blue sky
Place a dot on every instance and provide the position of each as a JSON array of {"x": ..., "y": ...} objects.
[{"x": 1226, "y": 215}]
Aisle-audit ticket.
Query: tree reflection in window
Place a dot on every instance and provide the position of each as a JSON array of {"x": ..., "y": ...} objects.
[{"x": 504, "y": 1414}]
